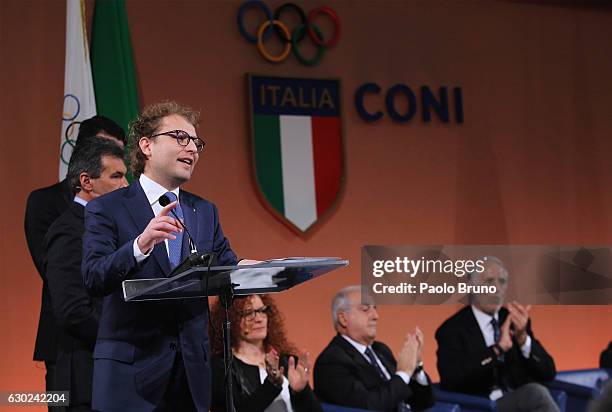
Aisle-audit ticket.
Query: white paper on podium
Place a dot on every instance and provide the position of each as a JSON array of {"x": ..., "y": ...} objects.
[
  {"x": 255, "y": 278},
  {"x": 269, "y": 276}
]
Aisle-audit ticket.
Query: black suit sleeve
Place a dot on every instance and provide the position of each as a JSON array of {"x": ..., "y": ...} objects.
[
  {"x": 305, "y": 401},
  {"x": 540, "y": 366},
  {"x": 38, "y": 217},
  {"x": 337, "y": 382},
  {"x": 72, "y": 305},
  {"x": 605, "y": 359},
  {"x": 423, "y": 397}
]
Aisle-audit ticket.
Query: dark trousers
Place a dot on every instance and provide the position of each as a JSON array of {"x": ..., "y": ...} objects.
[
  {"x": 50, "y": 376},
  {"x": 50, "y": 383},
  {"x": 79, "y": 408},
  {"x": 177, "y": 396}
]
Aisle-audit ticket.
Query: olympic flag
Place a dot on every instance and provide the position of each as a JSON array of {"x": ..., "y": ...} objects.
[
  {"x": 79, "y": 99},
  {"x": 297, "y": 146}
]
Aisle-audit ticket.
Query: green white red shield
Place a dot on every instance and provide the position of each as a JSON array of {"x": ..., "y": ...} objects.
[{"x": 297, "y": 145}]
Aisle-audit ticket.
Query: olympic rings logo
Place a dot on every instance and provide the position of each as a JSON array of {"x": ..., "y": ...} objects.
[
  {"x": 71, "y": 112},
  {"x": 290, "y": 38},
  {"x": 68, "y": 142}
]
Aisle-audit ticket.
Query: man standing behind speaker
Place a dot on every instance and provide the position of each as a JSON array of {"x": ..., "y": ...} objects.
[
  {"x": 152, "y": 355},
  {"x": 95, "y": 169},
  {"x": 43, "y": 207}
]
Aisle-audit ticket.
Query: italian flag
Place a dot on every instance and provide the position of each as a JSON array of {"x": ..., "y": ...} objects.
[
  {"x": 297, "y": 140},
  {"x": 112, "y": 63}
]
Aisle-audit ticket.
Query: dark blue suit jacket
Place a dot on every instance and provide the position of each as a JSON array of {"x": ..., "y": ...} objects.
[{"x": 137, "y": 341}]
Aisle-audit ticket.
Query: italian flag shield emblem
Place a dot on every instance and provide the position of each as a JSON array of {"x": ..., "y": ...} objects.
[{"x": 297, "y": 146}]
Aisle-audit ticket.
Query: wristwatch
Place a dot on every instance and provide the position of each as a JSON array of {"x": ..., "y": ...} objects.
[{"x": 418, "y": 368}]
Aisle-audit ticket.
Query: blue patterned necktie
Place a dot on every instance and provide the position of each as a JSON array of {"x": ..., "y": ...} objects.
[{"x": 175, "y": 247}]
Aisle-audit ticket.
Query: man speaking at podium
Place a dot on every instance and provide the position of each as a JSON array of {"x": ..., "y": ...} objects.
[{"x": 152, "y": 355}]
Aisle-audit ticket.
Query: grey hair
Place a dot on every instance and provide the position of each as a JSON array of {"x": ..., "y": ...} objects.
[
  {"x": 493, "y": 259},
  {"x": 341, "y": 302},
  {"x": 87, "y": 157},
  {"x": 496, "y": 260}
]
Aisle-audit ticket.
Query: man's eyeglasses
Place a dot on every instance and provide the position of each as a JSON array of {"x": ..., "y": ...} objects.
[
  {"x": 251, "y": 314},
  {"x": 183, "y": 138}
]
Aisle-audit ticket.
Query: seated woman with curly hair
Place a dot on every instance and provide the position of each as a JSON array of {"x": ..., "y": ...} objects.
[{"x": 266, "y": 375}]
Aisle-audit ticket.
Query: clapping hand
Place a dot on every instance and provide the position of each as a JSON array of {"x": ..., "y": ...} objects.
[
  {"x": 275, "y": 373},
  {"x": 519, "y": 316},
  {"x": 421, "y": 341},
  {"x": 505, "y": 337},
  {"x": 407, "y": 358},
  {"x": 299, "y": 374}
]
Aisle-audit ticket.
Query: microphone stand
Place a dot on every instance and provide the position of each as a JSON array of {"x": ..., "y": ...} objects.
[{"x": 227, "y": 299}]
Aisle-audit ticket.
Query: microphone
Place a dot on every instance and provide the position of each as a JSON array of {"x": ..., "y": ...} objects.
[
  {"x": 165, "y": 201},
  {"x": 196, "y": 258}
]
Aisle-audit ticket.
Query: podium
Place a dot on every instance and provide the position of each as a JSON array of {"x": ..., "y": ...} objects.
[
  {"x": 269, "y": 276},
  {"x": 197, "y": 278}
]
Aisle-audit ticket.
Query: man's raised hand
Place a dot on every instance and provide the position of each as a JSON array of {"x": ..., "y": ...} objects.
[{"x": 160, "y": 228}]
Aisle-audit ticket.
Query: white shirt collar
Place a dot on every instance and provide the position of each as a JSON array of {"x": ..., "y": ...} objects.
[
  {"x": 80, "y": 200},
  {"x": 484, "y": 319},
  {"x": 361, "y": 348},
  {"x": 154, "y": 190}
]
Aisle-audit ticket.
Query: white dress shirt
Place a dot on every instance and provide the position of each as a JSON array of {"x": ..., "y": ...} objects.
[
  {"x": 153, "y": 191},
  {"x": 80, "y": 200}
]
